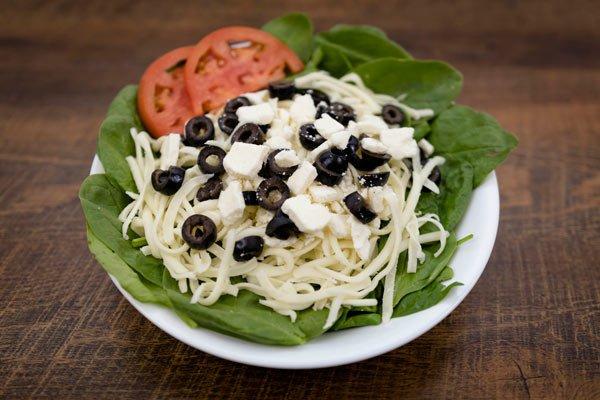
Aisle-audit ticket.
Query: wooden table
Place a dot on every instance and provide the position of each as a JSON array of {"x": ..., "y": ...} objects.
[{"x": 531, "y": 326}]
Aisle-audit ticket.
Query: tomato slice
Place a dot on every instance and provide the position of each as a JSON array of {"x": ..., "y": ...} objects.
[
  {"x": 234, "y": 60},
  {"x": 163, "y": 101}
]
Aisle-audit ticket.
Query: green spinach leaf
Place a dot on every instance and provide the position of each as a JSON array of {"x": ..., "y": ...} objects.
[
  {"x": 137, "y": 286},
  {"x": 425, "y": 84},
  {"x": 295, "y": 30},
  {"x": 455, "y": 193},
  {"x": 240, "y": 316},
  {"x": 417, "y": 301},
  {"x": 351, "y": 319},
  {"x": 102, "y": 200},
  {"x": 359, "y": 44},
  {"x": 463, "y": 134},
  {"x": 426, "y": 273},
  {"x": 114, "y": 141}
]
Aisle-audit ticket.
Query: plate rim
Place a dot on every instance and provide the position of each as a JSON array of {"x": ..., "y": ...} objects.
[{"x": 181, "y": 332}]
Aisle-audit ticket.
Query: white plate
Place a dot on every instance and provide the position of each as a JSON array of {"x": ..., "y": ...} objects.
[{"x": 348, "y": 346}]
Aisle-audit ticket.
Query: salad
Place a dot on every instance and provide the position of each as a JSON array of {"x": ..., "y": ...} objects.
[{"x": 274, "y": 184}]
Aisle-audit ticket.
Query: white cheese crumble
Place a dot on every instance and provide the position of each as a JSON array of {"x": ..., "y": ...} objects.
[
  {"x": 327, "y": 126},
  {"x": 324, "y": 194},
  {"x": 302, "y": 178},
  {"x": 427, "y": 147},
  {"x": 371, "y": 124},
  {"x": 260, "y": 114},
  {"x": 245, "y": 159},
  {"x": 308, "y": 217},
  {"x": 360, "y": 238},
  {"x": 303, "y": 109},
  {"x": 339, "y": 225},
  {"x": 287, "y": 158},
  {"x": 399, "y": 142},
  {"x": 340, "y": 139},
  {"x": 231, "y": 203},
  {"x": 373, "y": 145}
]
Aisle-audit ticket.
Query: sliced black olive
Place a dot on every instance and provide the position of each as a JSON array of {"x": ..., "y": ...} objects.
[
  {"x": 341, "y": 112},
  {"x": 310, "y": 138},
  {"x": 228, "y": 122},
  {"x": 265, "y": 128},
  {"x": 371, "y": 180},
  {"x": 361, "y": 159},
  {"x": 247, "y": 248},
  {"x": 198, "y": 130},
  {"x": 168, "y": 182},
  {"x": 358, "y": 207},
  {"x": 265, "y": 171},
  {"x": 283, "y": 90},
  {"x": 210, "y": 190},
  {"x": 233, "y": 104},
  {"x": 248, "y": 133},
  {"x": 392, "y": 115},
  {"x": 282, "y": 172},
  {"x": 199, "y": 231},
  {"x": 210, "y": 160},
  {"x": 374, "y": 160},
  {"x": 250, "y": 197},
  {"x": 317, "y": 95},
  {"x": 333, "y": 161},
  {"x": 271, "y": 193},
  {"x": 330, "y": 167},
  {"x": 281, "y": 227}
]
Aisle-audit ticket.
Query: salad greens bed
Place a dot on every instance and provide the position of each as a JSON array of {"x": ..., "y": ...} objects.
[{"x": 473, "y": 144}]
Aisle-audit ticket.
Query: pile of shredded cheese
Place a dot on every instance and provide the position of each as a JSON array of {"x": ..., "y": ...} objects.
[{"x": 319, "y": 271}]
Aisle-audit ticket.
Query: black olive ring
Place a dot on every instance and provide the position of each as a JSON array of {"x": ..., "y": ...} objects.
[
  {"x": 167, "y": 182},
  {"x": 211, "y": 168},
  {"x": 358, "y": 207},
  {"x": 199, "y": 231},
  {"x": 248, "y": 133},
  {"x": 210, "y": 190},
  {"x": 198, "y": 130},
  {"x": 268, "y": 189}
]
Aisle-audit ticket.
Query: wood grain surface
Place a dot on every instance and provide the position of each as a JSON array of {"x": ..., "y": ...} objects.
[{"x": 529, "y": 329}]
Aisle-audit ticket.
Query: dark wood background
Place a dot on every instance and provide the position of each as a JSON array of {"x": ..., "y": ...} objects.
[{"x": 529, "y": 329}]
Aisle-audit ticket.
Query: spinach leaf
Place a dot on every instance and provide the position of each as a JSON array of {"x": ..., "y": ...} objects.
[
  {"x": 102, "y": 200},
  {"x": 426, "y": 84},
  {"x": 426, "y": 273},
  {"x": 455, "y": 193},
  {"x": 240, "y": 316},
  {"x": 295, "y": 30},
  {"x": 359, "y": 44},
  {"x": 333, "y": 60},
  {"x": 350, "y": 319},
  {"x": 417, "y": 301},
  {"x": 137, "y": 286},
  {"x": 422, "y": 129},
  {"x": 463, "y": 134},
  {"x": 114, "y": 141}
]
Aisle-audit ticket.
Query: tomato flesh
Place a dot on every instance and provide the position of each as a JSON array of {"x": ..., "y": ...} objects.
[
  {"x": 234, "y": 60},
  {"x": 163, "y": 101}
]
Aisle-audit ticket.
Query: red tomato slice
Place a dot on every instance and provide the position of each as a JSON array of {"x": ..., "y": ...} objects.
[
  {"x": 234, "y": 60},
  {"x": 163, "y": 101}
]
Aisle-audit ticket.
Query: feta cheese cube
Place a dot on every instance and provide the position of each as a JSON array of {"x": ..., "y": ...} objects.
[
  {"x": 371, "y": 124},
  {"x": 302, "y": 178},
  {"x": 278, "y": 142},
  {"x": 257, "y": 97},
  {"x": 308, "y": 217},
  {"x": 373, "y": 145},
  {"x": 303, "y": 109},
  {"x": 327, "y": 126},
  {"x": 324, "y": 194},
  {"x": 399, "y": 142},
  {"x": 231, "y": 203},
  {"x": 260, "y": 114},
  {"x": 287, "y": 158},
  {"x": 339, "y": 226},
  {"x": 375, "y": 199},
  {"x": 245, "y": 159},
  {"x": 340, "y": 139},
  {"x": 360, "y": 234}
]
